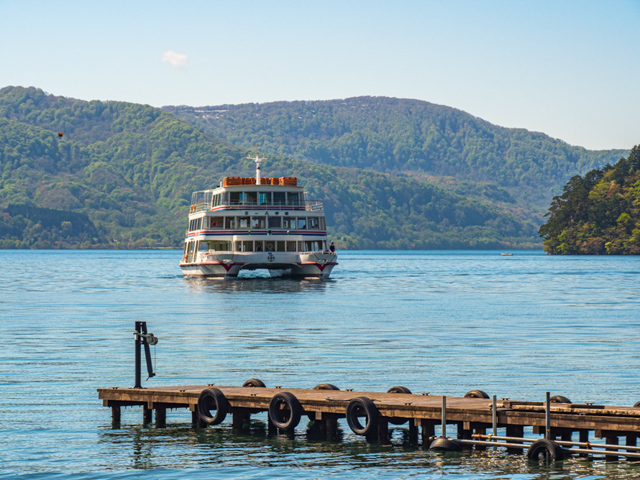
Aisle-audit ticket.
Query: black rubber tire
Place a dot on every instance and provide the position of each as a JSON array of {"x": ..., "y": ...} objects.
[
  {"x": 443, "y": 444},
  {"x": 285, "y": 411},
  {"x": 545, "y": 450},
  {"x": 254, "y": 382},
  {"x": 362, "y": 407},
  {"x": 399, "y": 389},
  {"x": 559, "y": 399},
  {"x": 476, "y": 394},
  {"x": 321, "y": 386},
  {"x": 209, "y": 399},
  {"x": 325, "y": 386}
]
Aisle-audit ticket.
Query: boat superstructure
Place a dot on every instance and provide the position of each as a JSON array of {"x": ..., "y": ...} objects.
[{"x": 249, "y": 223}]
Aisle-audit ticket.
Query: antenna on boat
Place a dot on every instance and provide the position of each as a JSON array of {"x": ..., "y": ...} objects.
[{"x": 258, "y": 161}]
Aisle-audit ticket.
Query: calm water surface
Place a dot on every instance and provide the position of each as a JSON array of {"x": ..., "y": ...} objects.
[{"x": 438, "y": 322}]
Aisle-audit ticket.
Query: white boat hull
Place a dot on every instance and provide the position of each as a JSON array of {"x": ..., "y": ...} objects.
[{"x": 303, "y": 264}]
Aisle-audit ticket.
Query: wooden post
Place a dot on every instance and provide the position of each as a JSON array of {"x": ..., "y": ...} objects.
[
  {"x": 194, "y": 418},
  {"x": 480, "y": 431},
  {"x": 241, "y": 420},
  {"x": 161, "y": 417},
  {"x": 147, "y": 415},
  {"x": 330, "y": 426},
  {"x": 413, "y": 431},
  {"x": 271, "y": 428},
  {"x": 584, "y": 438},
  {"x": 383, "y": 432},
  {"x": 515, "y": 431},
  {"x": 611, "y": 439},
  {"x": 116, "y": 415},
  {"x": 428, "y": 431}
]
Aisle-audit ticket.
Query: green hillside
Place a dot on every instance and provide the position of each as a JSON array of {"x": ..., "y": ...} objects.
[
  {"x": 598, "y": 213},
  {"x": 131, "y": 170},
  {"x": 512, "y": 168}
]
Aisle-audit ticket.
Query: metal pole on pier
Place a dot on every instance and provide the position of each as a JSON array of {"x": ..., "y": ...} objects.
[
  {"x": 547, "y": 417},
  {"x": 141, "y": 337},
  {"x": 444, "y": 417}
]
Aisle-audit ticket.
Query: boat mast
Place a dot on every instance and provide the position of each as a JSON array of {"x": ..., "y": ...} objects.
[{"x": 258, "y": 161}]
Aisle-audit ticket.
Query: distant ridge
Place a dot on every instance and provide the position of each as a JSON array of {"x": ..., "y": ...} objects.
[
  {"x": 407, "y": 137},
  {"x": 131, "y": 170}
]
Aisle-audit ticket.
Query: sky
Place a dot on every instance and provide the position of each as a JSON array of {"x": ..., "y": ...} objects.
[{"x": 567, "y": 68}]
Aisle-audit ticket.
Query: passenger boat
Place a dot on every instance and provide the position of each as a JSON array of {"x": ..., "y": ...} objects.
[{"x": 251, "y": 223}]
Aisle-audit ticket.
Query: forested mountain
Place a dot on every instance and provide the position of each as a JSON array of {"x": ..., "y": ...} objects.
[
  {"x": 598, "y": 213},
  {"x": 409, "y": 137},
  {"x": 130, "y": 169}
]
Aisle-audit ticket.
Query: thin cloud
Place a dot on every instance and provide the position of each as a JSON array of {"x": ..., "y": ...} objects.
[{"x": 177, "y": 60}]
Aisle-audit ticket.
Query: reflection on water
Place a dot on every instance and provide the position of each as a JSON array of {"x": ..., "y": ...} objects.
[
  {"x": 220, "y": 447},
  {"x": 257, "y": 284}
]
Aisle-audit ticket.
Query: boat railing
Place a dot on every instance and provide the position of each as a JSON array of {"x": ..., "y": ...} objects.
[
  {"x": 200, "y": 207},
  {"x": 314, "y": 206}
]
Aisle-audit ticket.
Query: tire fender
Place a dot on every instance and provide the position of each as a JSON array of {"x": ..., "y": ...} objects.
[
  {"x": 476, "y": 394},
  {"x": 254, "y": 382},
  {"x": 285, "y": 411},
  {"x": 363, "y": 407},
  {"x": 546, "y": 450},
  {"x": 210, "y": 399}
]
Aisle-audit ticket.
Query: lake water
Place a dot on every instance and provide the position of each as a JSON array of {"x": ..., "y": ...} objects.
[{"x": 438, "y": 322}]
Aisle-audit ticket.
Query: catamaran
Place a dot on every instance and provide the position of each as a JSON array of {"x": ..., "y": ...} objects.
[{"x": 249, "y": 223}]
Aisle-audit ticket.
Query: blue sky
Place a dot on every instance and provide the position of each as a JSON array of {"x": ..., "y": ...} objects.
[{"x": 568, "y": 68}]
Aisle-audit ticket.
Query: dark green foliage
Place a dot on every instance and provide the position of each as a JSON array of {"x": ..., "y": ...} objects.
[
  {"x": 597, "y": 214},
  {"x": 25, "y": 226},
  {"x": 131, "y": 169},
  {"x": 408, "y": 137}
]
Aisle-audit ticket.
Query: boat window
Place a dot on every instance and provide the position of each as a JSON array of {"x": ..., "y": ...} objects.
[
  {"x": 293, "y": 198},
  {"x": 230, "y": 223},
  {"x": 301, "y": 246},
  {"x": 258, "y": 222},
  {"x": 291, "y": 246},
  {"x": 237, "y": 246},
  {"x": 264, "y": 198},
  {"x": 279, "y": 198},
  {"x": 191, "y": 250},
  {"x": 269, "y": 246},
  {"x": 219, "y": 245},
  {"x": 280, "y": 246},
  {"x": 289, "y": 223},
  {"x": 236, "y": 198},
  {"x": 322, "y": 224},
  {"x": 312, "y": 223},
  {"x": 225, "y": 198},
  {"x": 302, "y": 223},
  {"x": 248, "y": 246},
  {"x": 217, "y": 222},
  {"x": 243, "y": 222},
  {"x": 251, "y": 198},
  {"x": 275, "y": 222},
  {"x": 195, "y": 224},
  {"x": 312, "y": 246},
  {"x": 259, "y": 247},
  {"x": 217, "y": 200},
  {"x": 203, "y": 246}
]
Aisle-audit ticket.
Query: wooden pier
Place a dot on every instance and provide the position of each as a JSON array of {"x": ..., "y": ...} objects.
[{"x": 468, "y": 421}]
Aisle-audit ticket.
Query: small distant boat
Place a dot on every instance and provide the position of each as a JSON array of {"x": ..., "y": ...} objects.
[{"x": 507, "y": 254}]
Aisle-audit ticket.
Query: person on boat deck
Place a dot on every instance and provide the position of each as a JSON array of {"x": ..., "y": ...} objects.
[
  {"x": 258, "y": 248},
  {"x": 332, "y": 247}
]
